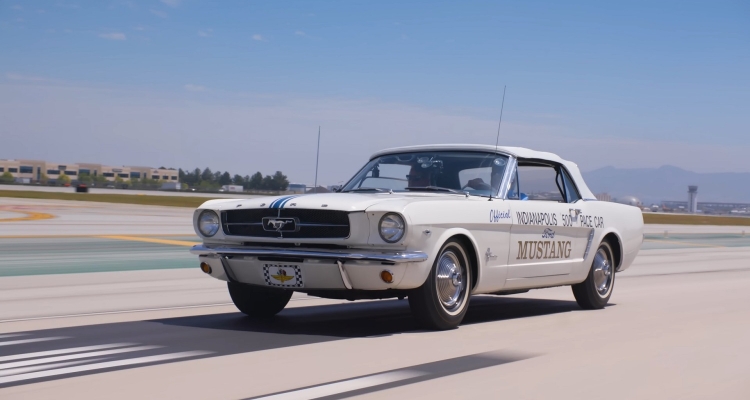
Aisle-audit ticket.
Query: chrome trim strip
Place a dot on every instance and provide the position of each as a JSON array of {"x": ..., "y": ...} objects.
[
  {"x": 344, "y": 276},
  {"x": 588, "y": 245},
  {"x": 510, "y": 171},
  {"x": 345, "y": 255}
]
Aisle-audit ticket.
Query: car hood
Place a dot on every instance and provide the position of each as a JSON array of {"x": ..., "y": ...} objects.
[{"x": 332, "y": 201}]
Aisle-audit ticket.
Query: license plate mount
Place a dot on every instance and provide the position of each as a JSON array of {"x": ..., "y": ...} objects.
[{"x": 283, "y": 275}]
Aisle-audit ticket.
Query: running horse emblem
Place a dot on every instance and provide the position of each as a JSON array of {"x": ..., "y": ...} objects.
[{"x": 277, "y": 224}]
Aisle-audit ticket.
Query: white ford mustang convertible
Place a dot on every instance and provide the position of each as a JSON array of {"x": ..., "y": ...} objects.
[{"x": 436, "y": 224}]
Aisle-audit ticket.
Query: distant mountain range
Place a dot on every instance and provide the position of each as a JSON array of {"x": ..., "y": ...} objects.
[{"x": 653, "y": 185}]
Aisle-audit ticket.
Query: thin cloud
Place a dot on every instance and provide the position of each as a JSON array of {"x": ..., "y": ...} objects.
[
  {"x": 113, "y": 36},
  {"x": 194, "y": 88},
  {"x": 205, "y": 32},
  {"x": 139, "y": 28},
  {"x": 16, "y": 7},
  {"x": 299, "y": 33},
  {"x": 259, "y": 37},
  {"x": 25, "y": 78},
  {"x": 172, "y": 3},
  {"x": 160, "y": 14}
]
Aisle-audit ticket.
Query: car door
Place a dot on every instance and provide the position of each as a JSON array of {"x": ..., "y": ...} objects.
[{"x": 547, "y": 238}]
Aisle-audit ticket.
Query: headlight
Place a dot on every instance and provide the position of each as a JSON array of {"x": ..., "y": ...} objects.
[
  {"x": 208, "y": 223},
  {"x": 392, "y": 228}
]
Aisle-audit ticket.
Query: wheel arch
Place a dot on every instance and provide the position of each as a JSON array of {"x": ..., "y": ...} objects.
[
  {"x": 470, "y": 245},
  {"x": 616, "y": 243}
]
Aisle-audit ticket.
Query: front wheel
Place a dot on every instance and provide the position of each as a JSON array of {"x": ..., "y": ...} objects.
[
  {"x": 441, "y": 302},
  {"x": 258, "y": 301},
  {"x": 595, "y": 291}
]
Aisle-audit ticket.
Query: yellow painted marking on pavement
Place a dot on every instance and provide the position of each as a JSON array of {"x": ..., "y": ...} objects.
[
  {"x": 150, "y": 240},
  {"x": 683, "y": 243},
  {"x": 84, "y": 236},
  {"x": 30, "y": 216}
]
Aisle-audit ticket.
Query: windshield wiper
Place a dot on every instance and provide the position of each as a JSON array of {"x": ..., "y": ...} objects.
[
  {"x": 433, "y": 189},
  {"x": 364, "y": 190}
]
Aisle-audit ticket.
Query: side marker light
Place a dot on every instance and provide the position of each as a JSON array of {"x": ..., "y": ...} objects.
[{"x": 205, "y": 268}]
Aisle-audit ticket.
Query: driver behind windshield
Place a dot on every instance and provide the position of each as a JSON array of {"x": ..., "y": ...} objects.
[
  {"x": 418, "y": 176},
  {"x": 496, "y": 177}
]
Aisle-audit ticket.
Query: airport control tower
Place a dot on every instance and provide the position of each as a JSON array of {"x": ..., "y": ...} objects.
[{"x": 692, "y": 199}]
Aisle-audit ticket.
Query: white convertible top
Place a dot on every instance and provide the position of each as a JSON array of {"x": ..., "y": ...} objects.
[{"x": 518, "y": 152}]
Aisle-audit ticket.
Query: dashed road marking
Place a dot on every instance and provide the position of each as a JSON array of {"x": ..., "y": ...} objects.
[
  {"x": 99, "y": 366},
  {"x": 15, "y": 342},
  {"x": 121, "y": 312},
  {"x": 77, "y": 356},
  {"x": 24, "y": 370},
  {"x": 12, "y": 335},
  {"x": 62, "y": 351}
]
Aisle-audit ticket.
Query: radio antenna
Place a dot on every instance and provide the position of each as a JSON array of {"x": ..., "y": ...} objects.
[
  {"x": 317, "y": 158},
  {"x": 497, "y": 140}
]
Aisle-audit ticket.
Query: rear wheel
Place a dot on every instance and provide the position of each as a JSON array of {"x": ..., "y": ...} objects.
[
  {"x": 441, "y": 302},
  {"x": 595, "y": 291},
  {"x": 258, "y": 301}
]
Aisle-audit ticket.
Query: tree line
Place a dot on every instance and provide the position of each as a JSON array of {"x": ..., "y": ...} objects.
[{"x": 208, "y": 180}]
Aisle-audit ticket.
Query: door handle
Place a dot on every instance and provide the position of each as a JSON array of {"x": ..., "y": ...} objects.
[{"x": 574, "y": 213}]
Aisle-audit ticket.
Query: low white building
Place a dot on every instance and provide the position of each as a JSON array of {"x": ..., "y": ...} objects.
[{"x": 37, "y": 171}]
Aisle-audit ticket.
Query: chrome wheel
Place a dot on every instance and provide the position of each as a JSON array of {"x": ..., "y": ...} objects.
[
  {"x": 602, "y": 273},
  {"x": 443, "y": 299},
  {"x": 451, "y": 281}
]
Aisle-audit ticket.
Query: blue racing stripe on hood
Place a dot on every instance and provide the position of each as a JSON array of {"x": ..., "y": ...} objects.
[
  {"x": 275, "y": 203},
  {"x": 279, "y": 203},
  {"x": 286, "y": 200}
]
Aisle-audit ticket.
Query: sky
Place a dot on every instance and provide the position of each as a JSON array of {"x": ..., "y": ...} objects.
[{"x": 242, "y": 86}]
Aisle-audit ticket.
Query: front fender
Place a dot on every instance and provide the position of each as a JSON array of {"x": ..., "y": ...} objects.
[{"x": 416, "y": 277}]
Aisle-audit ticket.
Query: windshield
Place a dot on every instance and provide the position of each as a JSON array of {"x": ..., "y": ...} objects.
[{"x": 475, "y": 173}]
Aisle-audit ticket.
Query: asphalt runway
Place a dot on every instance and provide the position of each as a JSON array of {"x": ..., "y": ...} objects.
[{"x": 117, "y": 309}]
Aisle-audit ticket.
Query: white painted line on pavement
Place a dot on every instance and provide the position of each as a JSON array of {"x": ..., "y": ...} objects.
[
  {"x": 344, "y": 386},
  {"x": 62, "y": 351},
  {"x": 130, "y": 311},
  {"x": 25, "y": 370},
  {"x": 13, "y": 342},
  {"x": 114, "y": 312},
  {"x": 103, "y": 365},
  {"x": 74, "y": 356},
  {"x": 13, "y": 335}
]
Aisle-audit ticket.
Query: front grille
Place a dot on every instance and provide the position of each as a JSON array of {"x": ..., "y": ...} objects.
[{"x": 313, "y": 224}]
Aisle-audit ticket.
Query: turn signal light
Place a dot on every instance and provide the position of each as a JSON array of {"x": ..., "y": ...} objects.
[
  {"x": 386, "y": 276},
  {"x": 205, "y": 268}
]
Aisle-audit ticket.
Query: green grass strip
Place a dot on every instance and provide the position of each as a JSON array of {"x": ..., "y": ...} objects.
[
  {"x": 679, "y": 219},
  {"x": 171, "y": 201}
]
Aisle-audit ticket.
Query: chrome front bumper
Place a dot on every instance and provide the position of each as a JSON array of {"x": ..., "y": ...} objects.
[{"x": 342, "y": 255}]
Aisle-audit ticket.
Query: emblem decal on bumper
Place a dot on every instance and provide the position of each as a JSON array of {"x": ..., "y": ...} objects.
[{"x": 282, "y": 275}]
